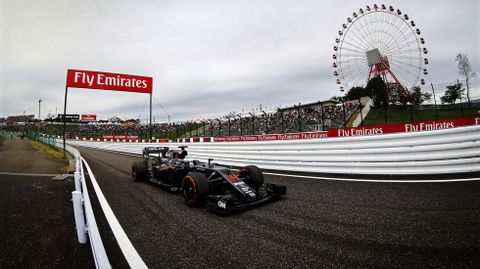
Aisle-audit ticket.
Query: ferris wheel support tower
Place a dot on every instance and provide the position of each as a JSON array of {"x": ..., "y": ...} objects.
[{"x": 379, "y": 67}]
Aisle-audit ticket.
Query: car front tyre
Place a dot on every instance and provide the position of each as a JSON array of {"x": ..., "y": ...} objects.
[{"x": 195, "y": 189}]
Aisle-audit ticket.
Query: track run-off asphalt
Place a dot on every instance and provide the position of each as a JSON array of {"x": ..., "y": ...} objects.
[
  {"x": 319, "y": 224},
  {"x": 37, "y": 228}
]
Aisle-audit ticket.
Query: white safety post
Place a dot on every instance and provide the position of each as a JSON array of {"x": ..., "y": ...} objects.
[
  {"x": 79, "y": 216},
  {"x": 76, "y": 176},
  {"x": 77, "y": 164}
]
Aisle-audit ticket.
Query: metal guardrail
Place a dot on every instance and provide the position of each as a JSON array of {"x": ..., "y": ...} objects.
[
  {"x": 454, "y": 150},
  {"x": 85, "y": 219},
  {"x": 83, "y": 213}
]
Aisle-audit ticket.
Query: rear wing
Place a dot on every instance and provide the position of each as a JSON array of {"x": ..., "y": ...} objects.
[
  {"x": 179, "y": 153},
  {"x": 155, "y": 150},
  {"x": 165, "y": 152}
]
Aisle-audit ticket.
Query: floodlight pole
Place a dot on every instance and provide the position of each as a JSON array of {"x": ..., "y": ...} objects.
[
  {"x": 39, "y": 106},
  {"x": 65, "y": 122}
]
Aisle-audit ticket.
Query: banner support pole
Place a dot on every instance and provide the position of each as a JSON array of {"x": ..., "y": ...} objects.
[
  {"x": 150, "y": 125},
  {"x": 65, "y": 121}
]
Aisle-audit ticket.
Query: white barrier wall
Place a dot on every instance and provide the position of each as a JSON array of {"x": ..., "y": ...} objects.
[{"x": 453, "y": 150}]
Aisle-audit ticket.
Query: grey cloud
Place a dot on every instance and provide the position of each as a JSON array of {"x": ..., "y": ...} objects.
[{"x": 206, "y": 59}]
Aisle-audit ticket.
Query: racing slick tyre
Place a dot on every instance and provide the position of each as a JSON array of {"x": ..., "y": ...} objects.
[
  {"x": 139, "y": 170},
  {"x": 253, "y": 176},
  {"x": 195, "y": 189}
]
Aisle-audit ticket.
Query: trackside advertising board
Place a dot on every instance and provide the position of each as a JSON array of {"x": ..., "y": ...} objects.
[
  {"x": 69, "y": 117},
  {"x": 270, "y": 137},
  {"x": 88, "y": 117},
  {"x": 359, "y": 131},
  {"x": 128, "y": 137},
  {"x": 109, "y": 81}
]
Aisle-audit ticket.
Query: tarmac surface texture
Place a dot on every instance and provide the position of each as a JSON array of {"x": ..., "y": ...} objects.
[
  {"x": 37, "y": 228},
  {"x": 319, "y": 224}
]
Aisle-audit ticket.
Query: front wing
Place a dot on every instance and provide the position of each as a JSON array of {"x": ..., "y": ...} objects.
[{"x": 225, "y": 204}]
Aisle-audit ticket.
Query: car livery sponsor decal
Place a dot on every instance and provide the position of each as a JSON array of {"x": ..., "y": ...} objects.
[
  {"x": 233, "y": 178},
  {"x": 222, "y": 204}
]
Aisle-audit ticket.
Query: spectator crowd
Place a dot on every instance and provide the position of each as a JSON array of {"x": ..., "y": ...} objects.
[{"x": 299, "y": 118}]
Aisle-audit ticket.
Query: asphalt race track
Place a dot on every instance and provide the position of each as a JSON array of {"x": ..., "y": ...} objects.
[{"x": 319, "y": 224}]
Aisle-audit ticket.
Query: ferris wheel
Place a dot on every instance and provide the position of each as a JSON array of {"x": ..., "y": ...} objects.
[{"x": 379, "y": 41}]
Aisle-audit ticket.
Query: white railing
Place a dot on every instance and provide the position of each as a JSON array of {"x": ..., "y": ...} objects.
[
  {"x": 85, "y": 220},
  {"x": 83, "y": 213},
  {"x": 455, "y": 150}
]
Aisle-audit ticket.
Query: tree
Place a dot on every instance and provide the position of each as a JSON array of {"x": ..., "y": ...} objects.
[
  {"x": 378, "y": 91},
  {"x": 453, "y": 93},
  {"x": 465, "y": 69},
  {"x": 397, "y": 94},
  {"x": 356, "y": 93},
  {"x": 417, "y": 97}
]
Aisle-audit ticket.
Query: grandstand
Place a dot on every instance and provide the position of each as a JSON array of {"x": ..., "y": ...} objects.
[
  {"x": 310, "y": 117},
  {"x": 20, "y": 119},
  {"x": 316, "y": 116}
]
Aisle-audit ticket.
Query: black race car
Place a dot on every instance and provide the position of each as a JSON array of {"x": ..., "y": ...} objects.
[
  {"x": 219, "y": 187},
  {"x": 162, "y": 166}
]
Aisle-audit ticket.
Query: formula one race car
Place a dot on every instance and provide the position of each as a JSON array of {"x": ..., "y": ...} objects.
[
  {"x": 219, "y": 187},
  {"x": 162, "y": 166}
]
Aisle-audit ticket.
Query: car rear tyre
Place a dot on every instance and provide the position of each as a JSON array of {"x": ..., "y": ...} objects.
[
  {"x": 252, "y": 175},
  {"x": 139, "y": 170},
  {"x": 195, "y": 189}
]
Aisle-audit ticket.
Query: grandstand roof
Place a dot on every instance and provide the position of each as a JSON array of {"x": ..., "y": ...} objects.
[{"x": 307, "y": 105}]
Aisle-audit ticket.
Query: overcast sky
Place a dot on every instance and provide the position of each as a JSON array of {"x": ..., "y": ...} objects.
[{"x": 207, "y": 58}]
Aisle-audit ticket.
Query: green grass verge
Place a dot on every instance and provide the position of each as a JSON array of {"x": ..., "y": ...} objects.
[{"x": 53, "y": 151}]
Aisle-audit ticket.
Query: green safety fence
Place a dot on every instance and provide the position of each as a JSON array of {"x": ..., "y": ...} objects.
[{"x": 43, "y": 138}]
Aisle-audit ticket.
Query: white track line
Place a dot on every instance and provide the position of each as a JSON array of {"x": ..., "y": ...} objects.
[
  {"x": 377, "y": 180},
  {"x": 130, "y": 253},
  {"x": 28, "y": 174}
]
